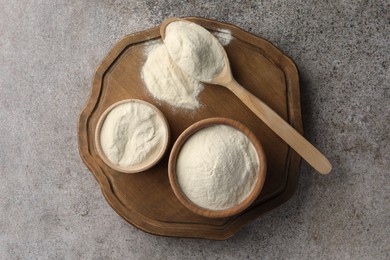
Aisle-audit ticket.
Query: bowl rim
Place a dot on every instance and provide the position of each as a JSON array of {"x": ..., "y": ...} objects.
[
  {"x": 184, "y": 136},
  {"x": 137, "y": 168}
]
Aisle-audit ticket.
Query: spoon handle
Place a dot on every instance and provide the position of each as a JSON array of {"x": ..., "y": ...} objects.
[{"x": 277, "y": 124}]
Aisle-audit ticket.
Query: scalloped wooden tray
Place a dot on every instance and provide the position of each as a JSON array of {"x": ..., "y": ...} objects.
[{"x": 146, "y": 199}]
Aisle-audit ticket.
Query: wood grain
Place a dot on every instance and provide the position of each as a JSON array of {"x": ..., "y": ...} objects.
[
  {"x": 295, "y": 140},
  {"x": 146, "y": 199}
]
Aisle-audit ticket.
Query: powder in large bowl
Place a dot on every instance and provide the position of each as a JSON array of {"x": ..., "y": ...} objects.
[
  {"x": 132, "y": 135},
  {"x": 217, "y": 167}
]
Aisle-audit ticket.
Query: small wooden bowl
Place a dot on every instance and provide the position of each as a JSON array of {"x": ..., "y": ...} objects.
[
  {"x": 145, "y": 165},
  {"x": 176, "y": 150}
]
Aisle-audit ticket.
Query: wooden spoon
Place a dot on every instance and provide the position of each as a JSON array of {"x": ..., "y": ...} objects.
[{"x": 295, "y": 140}]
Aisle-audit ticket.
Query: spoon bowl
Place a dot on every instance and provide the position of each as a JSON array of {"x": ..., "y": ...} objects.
[{"x": 277, "y": 124}]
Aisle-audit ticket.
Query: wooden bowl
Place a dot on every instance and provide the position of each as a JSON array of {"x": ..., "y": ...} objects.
[
  {"x": 155, "y": 157},
  {"x": 175, "y": 153}
]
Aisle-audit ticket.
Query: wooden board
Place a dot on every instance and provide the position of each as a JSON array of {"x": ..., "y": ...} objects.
[{"x": 146, "y": 199}]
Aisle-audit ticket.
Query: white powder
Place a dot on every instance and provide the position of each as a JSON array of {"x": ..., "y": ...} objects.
[
  {"x": 217, "y": 167},
  {"x": 194, "y": 49},
  {"x": 166, "y": 82},
  {"x": 130, "y": 133},
  {"x": 224, "y": 36}
]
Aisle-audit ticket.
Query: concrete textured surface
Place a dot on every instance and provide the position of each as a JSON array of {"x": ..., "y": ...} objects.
[{"x": 51, "y": 207}]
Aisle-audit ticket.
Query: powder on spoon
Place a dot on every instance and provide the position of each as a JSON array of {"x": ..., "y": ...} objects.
[
  {"x": 165, "y": 81},
  {"x": 194, "y": 49},
  {"x": 131, "y": 134},
  {"x": 217, "y": 167}
]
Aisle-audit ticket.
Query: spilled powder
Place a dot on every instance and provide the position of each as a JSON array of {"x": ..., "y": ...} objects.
[
  {"x": 224, "y": 36},
  {"x": 166, "y": 82}
]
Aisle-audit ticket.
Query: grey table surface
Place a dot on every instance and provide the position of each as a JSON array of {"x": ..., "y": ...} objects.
[{"x": 51, "y": 207}]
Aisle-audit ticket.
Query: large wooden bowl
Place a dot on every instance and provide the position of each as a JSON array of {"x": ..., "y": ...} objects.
[{"x": 176, "y": 151}]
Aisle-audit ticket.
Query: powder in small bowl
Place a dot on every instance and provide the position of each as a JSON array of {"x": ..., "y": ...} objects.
[
  {"x": 132, "y": 135},
  {"x": 217, "y": 165}
]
